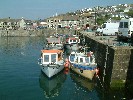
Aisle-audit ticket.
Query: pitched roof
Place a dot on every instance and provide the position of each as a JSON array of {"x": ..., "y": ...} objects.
[
  {"x": 70, "y": 17},
  {"x": 9, "y": 20}
]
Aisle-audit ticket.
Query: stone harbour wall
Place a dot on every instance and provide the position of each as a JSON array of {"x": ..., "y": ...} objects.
[
  {"x": 115, "y": 62},
  {"x": 40, "y": 32}
]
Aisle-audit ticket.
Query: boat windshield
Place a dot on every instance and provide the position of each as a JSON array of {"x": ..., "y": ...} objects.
[
  {"x": 46, "y": 58},
  {"x": 81, "y": 60},
  {"x": 53, "y": 57}
]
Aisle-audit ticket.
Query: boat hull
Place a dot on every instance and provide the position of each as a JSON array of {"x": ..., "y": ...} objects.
[
  {"x": 89, "y": 74},
  {"x": 51, "y": 70}
]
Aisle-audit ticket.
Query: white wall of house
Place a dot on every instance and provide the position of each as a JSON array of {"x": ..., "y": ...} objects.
[{"x": 22, "y": 23}]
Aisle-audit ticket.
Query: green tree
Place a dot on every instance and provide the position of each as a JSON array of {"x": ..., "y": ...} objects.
[
  {"x": 116, "y": 18},
  {"x": 130, "y": 13},
  {"x": 100, "y": 21}
]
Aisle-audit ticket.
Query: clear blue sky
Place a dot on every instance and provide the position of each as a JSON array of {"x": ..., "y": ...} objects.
[{"x": 40, "y": 9}]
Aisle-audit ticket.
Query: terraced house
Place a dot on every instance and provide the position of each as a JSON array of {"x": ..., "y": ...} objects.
[
  {"x": 9, "y": 24},
  {"x": 14, "y": 24},
  {"x": 73, "y": 21}
]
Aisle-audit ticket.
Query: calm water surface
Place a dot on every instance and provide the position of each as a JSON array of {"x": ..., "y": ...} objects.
[{"x": 21, "y": 77}]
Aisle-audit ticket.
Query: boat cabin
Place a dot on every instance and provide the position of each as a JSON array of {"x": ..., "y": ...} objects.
[
  {"x": 51, "y": 56},
  {"x": 80, "y": 58},
  {"x": 72, "y": 40}
]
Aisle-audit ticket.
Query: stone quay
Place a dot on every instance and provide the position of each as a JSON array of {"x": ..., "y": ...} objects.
[
  {"x": 38, "y": 32},
  {"x": 115, "y": 61}
]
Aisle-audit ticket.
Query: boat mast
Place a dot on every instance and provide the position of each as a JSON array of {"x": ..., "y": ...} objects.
[{"x": 56, "y": 24}]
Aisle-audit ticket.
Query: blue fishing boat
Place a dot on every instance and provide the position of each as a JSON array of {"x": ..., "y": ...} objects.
[{"x": 83, "y": 64}]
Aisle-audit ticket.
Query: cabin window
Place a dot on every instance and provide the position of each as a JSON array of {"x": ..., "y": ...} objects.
[
  {"x": 125, "y": 24},
  {"x": 121, "y": 25},
  {"x": 53, "y": 57},
  {"x": 81, "y": 59},
  {"x": 72, "y": 57},
  {"x": 91, "y": 58},
  {"x": 87, "y": 60},
  {"x": 74, "y": 40},
  {"x": 46, "y": 58},
  {"x": 70, "y": 40}
]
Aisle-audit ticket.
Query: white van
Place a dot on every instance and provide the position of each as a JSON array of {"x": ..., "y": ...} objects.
[
  {"x": 110, "y": 28},
  {"x": 125, "y": 27}
]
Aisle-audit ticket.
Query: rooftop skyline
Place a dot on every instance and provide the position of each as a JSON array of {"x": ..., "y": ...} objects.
[{"x": 40, "y": 9}]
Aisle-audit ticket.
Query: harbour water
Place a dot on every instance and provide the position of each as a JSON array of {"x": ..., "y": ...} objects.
[{"x": 21, "y": 77}]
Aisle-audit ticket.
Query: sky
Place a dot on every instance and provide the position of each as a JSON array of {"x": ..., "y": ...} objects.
[{"x": 41, "y": 9}]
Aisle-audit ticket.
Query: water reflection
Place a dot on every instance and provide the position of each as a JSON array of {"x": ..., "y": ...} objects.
[
  {"x": 82, "y": 82},
  {"x": 20, "y": 45},
  {"x": 52, "y": 87}
]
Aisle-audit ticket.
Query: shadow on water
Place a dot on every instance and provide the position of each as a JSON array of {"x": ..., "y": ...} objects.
[
  {"x": 52, "y": 87},
  {"x": 85, "y": 89},
  {"x": 82, "y": 82}
]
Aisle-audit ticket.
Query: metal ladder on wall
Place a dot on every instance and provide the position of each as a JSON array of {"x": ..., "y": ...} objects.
[{"x": 105, "y": 65}]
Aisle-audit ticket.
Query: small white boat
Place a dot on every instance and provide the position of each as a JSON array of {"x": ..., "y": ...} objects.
[
  {"x": 83, "y": 64},
  {"x": 55, "y": 43},
  {"x": 72, "y": 43},
  {"x": 51, "y": 61}
]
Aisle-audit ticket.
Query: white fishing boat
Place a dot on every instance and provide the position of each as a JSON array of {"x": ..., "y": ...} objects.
[
  {"x": 83, "y": 64},
  {"x": 72, "y": 43},
  {"x": 51, "y": 61}
]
